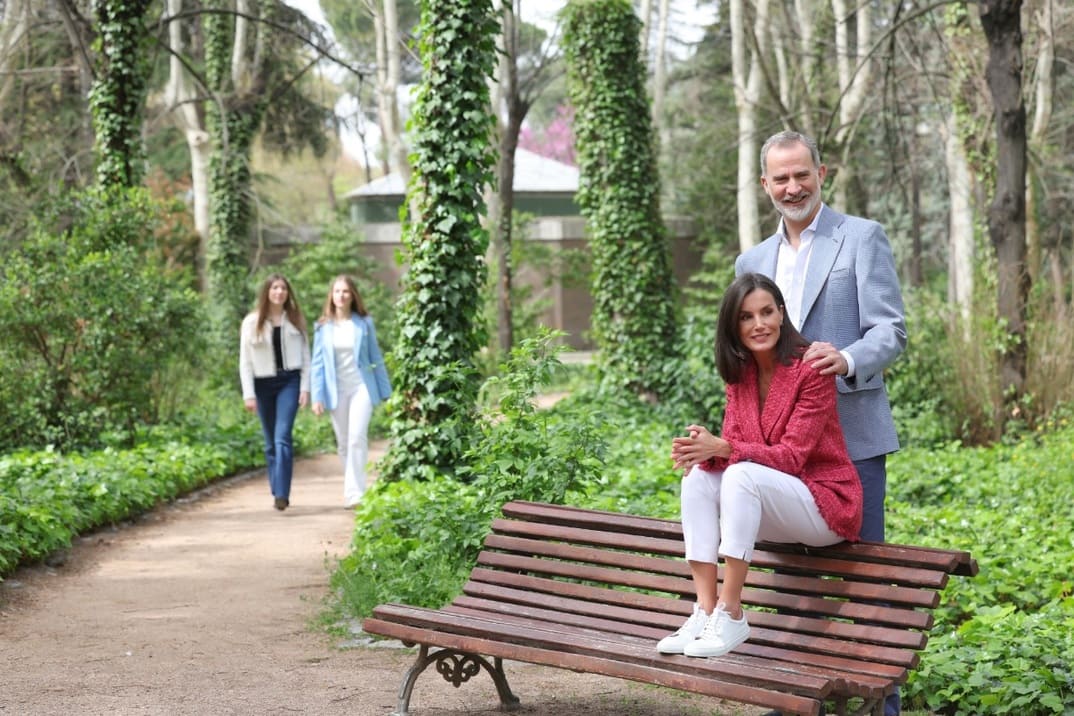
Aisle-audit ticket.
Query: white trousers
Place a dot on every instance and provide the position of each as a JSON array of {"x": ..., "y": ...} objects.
[
  {"x": 350, "y": 420},
  {"x": 724, "y": 513}
]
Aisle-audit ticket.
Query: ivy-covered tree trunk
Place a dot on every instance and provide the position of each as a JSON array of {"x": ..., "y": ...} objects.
[
  {"x": 439, "y": 312},
  {"x": 633, "y": 306},
  {"x": 117, "y": 97},
  {"x": 233, "y": 117}
]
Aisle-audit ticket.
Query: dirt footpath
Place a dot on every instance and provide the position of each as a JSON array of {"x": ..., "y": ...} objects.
[{"x": 206, "y": 606}]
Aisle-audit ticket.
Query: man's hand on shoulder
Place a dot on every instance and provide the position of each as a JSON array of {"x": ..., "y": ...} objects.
[{"x": 825, "y": 359}]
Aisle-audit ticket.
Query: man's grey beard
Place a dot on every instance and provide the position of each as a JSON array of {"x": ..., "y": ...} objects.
[{"x": 798, "y": 213}]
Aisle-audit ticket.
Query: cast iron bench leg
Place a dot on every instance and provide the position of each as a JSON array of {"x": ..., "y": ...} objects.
[
  {"x": 874, "y": 707},
  {"x": 457, "y": 667}
]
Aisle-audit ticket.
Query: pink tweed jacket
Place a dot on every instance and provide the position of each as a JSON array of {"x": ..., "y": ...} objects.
[{"x": 797, "y": 433}]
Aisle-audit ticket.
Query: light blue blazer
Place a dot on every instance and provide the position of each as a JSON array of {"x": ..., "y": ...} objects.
[
  {"x": 323, "y": 386},
  {"x": 852, "y": 300}
]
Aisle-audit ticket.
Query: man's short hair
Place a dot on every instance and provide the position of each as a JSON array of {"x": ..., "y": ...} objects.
[{"x": 784, "y": 138}]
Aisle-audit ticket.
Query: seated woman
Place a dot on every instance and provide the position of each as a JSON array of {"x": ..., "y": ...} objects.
[{"x": 779, "y": 472}]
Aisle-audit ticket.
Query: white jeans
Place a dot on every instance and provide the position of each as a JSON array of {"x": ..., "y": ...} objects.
[
  {"x": 350, "y": 420},
  {"x": 724, "y": 513}
]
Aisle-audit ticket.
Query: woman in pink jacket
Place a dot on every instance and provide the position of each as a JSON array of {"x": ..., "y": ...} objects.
[{"x": 778, "y": 472}]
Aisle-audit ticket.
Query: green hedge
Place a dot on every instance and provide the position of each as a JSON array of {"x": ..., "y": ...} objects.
[{"x": 48, "y": 498}]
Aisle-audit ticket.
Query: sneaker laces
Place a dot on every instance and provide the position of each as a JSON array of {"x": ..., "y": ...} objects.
[
  {"x": 712, "y": 628},
  {"x": 691, "y": 623}
]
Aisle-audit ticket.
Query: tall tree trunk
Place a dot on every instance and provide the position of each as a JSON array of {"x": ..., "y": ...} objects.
[
  {"x": 184, "y": 103},
  {"x": 80, "y": 36},
  {"x": 396, "y": 145},
  {"x": 806, "y": 14},
  {"x": 645, "y": 12},
  {"x": 507, "y": 94},
  {"x": 438, "y": 313},
  {"x": 386, "y": 30},
  {"x": 383, "y": 106},
  {"x": 634, "y": 322},
  {"x": 1002, "y": 23},
  {"x": 855, "y": 72},
  {"x": 14, "y": 31},
  {"x": 917, "y": 273},
  {"x": 746, "y": 68},
  {"x": 960, "y": 224},
  {"x": 660, "y": 70},
  {"x": 1044, "y": 88}
]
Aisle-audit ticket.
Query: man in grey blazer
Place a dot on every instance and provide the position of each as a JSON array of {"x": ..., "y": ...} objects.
[
  {"x": 838, "y": 278},
  {"x": 837, "y": 274}
]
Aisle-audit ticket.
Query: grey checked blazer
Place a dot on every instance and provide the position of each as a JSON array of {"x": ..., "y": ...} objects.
[{"x": 852, "y": 300}]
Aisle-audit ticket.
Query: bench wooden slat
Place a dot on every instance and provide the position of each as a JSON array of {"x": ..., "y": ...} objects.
[
  {"x": 842, "y": 589},
  {"x": 805, "y": 642},
  {"x": 655, "y": 615},
  {"x": 853, "y": 680},
  {"x": 602, "y": 645},
  {"x": 951, "y": 561},
  {"x": 764, "y": 598},
  {"x": 531, "y": 538},
  {"x": 781, "y": 701},
  {"x": 670, "y": 547}
]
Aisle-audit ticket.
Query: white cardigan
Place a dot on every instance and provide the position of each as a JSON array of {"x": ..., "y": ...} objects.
[{"x": 256, "y": 357}]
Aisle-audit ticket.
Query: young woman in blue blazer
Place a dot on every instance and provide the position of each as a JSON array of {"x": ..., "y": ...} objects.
[{"x": 348, "y": 378}]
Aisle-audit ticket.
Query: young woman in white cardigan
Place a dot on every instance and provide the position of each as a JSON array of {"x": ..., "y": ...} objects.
[
  {"x": 274, "y": 369},
  {"x": 348, "y": 378}
]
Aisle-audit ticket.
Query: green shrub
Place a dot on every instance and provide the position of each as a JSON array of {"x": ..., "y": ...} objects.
[
  {"x": 47, "y": 498},
  {"x": 89, "y": 325}
]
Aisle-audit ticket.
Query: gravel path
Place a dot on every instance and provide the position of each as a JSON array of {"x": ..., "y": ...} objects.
[{"x": 207, "y": 606}]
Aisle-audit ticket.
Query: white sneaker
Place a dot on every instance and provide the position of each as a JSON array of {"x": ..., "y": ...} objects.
[
  {"x": 674, "y": 643},
  {"x": 720, "y": 635}
]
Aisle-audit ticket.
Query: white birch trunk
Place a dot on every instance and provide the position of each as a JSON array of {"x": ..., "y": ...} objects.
[
  {"x": 806, "y": 12},
  {"x": 183, "y": 102},
  {"x": 645, "y": 13},
  {"x": 14, "y": 29},
  {"x": 660, "y": 69},
  {"x": 747, "y": 79},
  {"x": 1042, "y": 115},
  {"x": 383, "y": 103},
  {"x": 854, "y": 69},
  {"x": 390, "y": 93},
  {"x": 238, "y": 49},
  {"x": 960, "y": 232}
]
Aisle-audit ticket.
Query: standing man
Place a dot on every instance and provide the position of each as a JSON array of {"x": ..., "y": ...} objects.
[{"x": 837, "y": 275}]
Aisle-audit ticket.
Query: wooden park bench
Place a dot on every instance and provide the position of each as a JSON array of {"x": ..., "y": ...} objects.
[{"x": 594, "y": 591}]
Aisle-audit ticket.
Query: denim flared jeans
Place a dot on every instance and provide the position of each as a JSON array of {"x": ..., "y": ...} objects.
[{"x": 277, "y": 405}]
